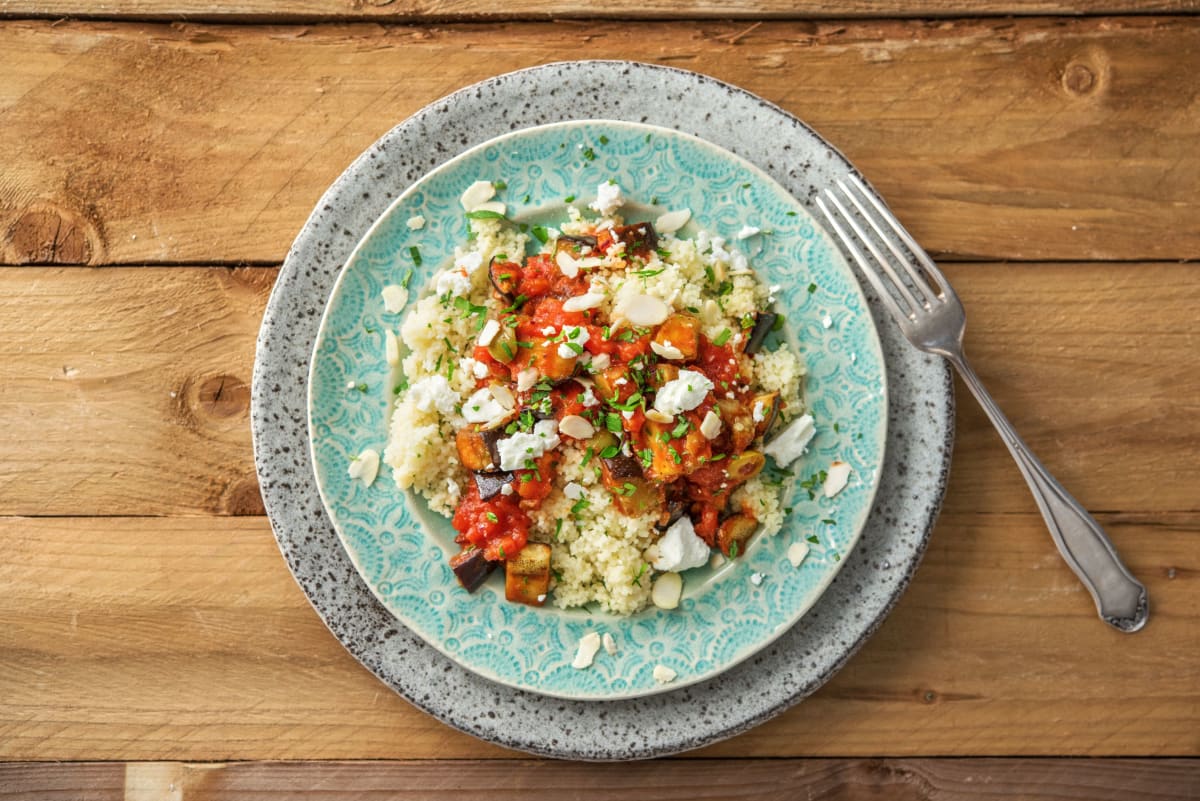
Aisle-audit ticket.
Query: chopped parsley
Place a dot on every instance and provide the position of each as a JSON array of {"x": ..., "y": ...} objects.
[
  {"x": 540, "y": 234},
  {"x": 722, "y": 337},
  {"x": 492, "y": 516},
  {"x": 415, "y": 253}
]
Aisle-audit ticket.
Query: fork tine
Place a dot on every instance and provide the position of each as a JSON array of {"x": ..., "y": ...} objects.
[
  {"x": 881, "y": 261},
  {"x": 913, "y": 273},
  {"x": 865, "y": 264},
  {"x": 899, "y": 230}
]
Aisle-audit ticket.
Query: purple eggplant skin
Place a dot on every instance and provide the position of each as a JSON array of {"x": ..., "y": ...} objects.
[
  {"x": 491, "y": 484},
  {"x": 763, "y": 323},
  {"x": 588, "y": 241},
  {"x": 471, "y": 569},
  {"x": 621, "y": 466},
  {"x": 491, "y": 438}
]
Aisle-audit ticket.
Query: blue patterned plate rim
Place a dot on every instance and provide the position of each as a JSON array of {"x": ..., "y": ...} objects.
[{"x": 622, "y": 676}]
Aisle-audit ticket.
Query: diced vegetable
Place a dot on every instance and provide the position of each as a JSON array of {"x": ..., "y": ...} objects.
[
  {"x": 473, "y": 449},
  {"x": 471, "y": 568},
  {"x": 763, "y": 323},
  {"x": 527, "y": 575},
  {"x": 739, "y": 424},
  {"x": 767, "y": 408},
  {"x": 663, "y": 373},
  {"x": 549, "y": 363},
  {"x": 734, "y": 534},
  {"x": 744, "y": 466},
  {"x": 682, "y": 332},
  {"x": 504, "y": 276},
  {"x": 576, "y": 246},
  {"x": 611, "y": 382},
  {"x": 491, "y": 484},
  {"x": 503, "y": 347}
]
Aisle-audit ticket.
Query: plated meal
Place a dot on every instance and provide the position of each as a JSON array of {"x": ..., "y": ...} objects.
[
  {"x": 582, "y": 402},
  {"x": 619, "y": 394}
]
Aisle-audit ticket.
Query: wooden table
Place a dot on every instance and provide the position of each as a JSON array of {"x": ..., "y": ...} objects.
[{"x": 158, "y": 156}]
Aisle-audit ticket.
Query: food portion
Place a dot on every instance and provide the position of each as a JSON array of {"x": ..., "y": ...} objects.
[{"x": 590, "y": 404}]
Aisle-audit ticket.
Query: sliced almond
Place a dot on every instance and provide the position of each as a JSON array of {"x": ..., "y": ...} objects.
[
  {"x": 663, "y": 674},
  {"x": 646, "y": 310},
  {"x": 601, "y": 361},
  {"x": 394, "y": 298},
  {"x": 836, "y": 478},
  {"x": 526, "y": 379},
  {"x": 797, "y": 552},
  {"x": 365, "y": 466},
  {"x": 504, "y": 396},
  {"x": 490, "y": 329},
  {"x": 710, "y": 426},
  {"x": 575, "y": 426},
  {"x": 667, "y": 590},
  {"x": 478, "y": 192},
  {"x": 567, "y": 264},
  {"x": 589, "y": 644},
  {"x": 654, "y": 415},
  {"x": 666, "y": 350},
  {"x": 392, "y": 348},
  {"x": 610, "y": 645},
  {"x": 582, "y": 302},
  {"x": 672, "y": 221}
]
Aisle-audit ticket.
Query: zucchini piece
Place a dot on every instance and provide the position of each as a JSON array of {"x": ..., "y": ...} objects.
[
  {"x": 735, "y": 533},
  {"x": 527, "y": 575},
  {"x": 744, "y": 466},
  {"x": 504, "y": 346},
  {"x": 739, "y": 425},
  {"x": 473, "y": 450},
  {"x": 682, "y": 332}
]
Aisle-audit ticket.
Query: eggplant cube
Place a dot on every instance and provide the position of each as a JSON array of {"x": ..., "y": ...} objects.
[
  {"x": 471, "y": 569},
  {"x": 527, "y": 575}
]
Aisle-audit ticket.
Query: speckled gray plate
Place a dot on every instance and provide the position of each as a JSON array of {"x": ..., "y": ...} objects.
[{"x": 920, "y": 427}]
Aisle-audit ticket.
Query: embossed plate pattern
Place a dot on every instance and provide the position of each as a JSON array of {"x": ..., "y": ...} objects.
[
  {"x": 920, "y": 428},
  {"x": 402, "y": 549}
]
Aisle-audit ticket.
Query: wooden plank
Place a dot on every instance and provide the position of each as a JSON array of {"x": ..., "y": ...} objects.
[
  {"x": 186, "y": 638},
  {"x": 458, "y": 10},
  {"x": 136, "y": 401},
  {"x": 995, "y": 139},
  {"x": 848, "y": 779}
]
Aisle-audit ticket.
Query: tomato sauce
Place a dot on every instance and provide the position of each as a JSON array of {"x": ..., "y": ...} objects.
[{"x": 499, "y": 525}]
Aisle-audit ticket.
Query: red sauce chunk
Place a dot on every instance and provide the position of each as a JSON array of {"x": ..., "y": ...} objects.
[{"x": 499, "y": 526}]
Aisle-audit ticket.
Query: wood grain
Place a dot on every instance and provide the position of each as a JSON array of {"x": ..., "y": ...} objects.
[
  {"x": 446, "y": 10},
  {"x": 186, "y": 638},
  {"x": 846, "y": 780},
  {"x": 994, "y": 139},
  {"x": 136, "y": 402}
]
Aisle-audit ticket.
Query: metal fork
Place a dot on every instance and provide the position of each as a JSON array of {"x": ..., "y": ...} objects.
[{"x": 931, "y": 316}]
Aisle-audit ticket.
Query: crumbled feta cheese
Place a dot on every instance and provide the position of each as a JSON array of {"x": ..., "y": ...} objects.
[
  {"x": 827, "y": 321},
  {"x": 789, "y": 444},
  {"x": 601, "y": 361},
  {"x": 483, "y": 407},
  {"x": 433, "y": 392},
  {"x": 588, "y": 397},
  {"x": 666, "y": 350},
  {"x": 667, "y": 590},
  {"x": 391, "y": 348},
  {"x": 797, "y": 552},
  {"x": 452, "y": 489},
  {"x": 416, "y": 222},
  {"x": 452, "y": 282},
  {"x": 549, "y": 331},
  {"x": 835, "y": 478},
  {"x": 756, "y": 579},
  {"x": 760, "y": 411},
  {"x": 627, "y": 414},
  {"x": 490, "y": 329},
  {"x": 589, "y": 644},
  {"x": 478, "y": 192},
  {"x": 608, "y": 199},
  {"x": 507, "y": 489},
  {"x": 748, "y": 231},
  {"x": 672, "y": 221},
  {"x": 610, "y": 645},
  {"x": 572, "y": 335},
  {"x": 394, "y": 298},
  {"x": 365, "y": 466},
  {"x": 349, "y": 385},
  {"x": 521, "y": 447},
  {"x": 682, "y": 394},
  {"x": 573, "y": 491},
  {"x": 469, "y": 262},
  {"x": 680, "y": 548},
  {"x": 710, "y": 426},
  {"x": 583, "y": 302},
  {"x": 717, "y": 560},
  {"x": 479, "y": 369},
  {"x": 663, "y": 674}
]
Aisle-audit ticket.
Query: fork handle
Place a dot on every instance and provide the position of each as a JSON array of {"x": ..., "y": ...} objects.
[{"x": 1120, "y": 599}]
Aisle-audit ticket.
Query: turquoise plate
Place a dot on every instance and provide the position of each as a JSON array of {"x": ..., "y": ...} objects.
[{"x": 401, "y": 548}]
